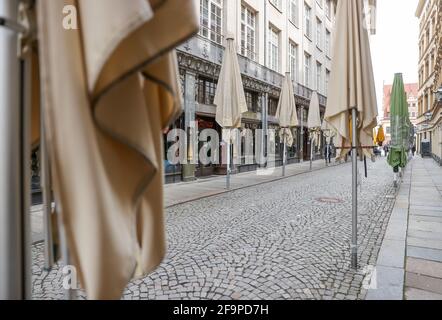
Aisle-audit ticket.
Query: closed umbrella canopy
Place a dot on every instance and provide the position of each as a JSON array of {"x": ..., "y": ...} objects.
[
  {"x": 230, "y": 99},
  {"x": 314, "y": 114},
  {"x": 400, "y": 124},
  {"x": 380, "y": 137},
  {"x": 351, "y": 81},
  {"x": 286, "y": 112},
  {"x": 110, "y": 87},
  {"x": 314, "y": 118}
]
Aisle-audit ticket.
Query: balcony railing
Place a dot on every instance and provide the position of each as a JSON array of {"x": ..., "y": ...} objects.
[{"x": 206, "y": 49}]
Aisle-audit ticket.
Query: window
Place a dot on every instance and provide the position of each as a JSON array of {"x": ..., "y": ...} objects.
[
  {"x": 328, "y": 7},
  {"x": 307, "y": 62},
  {"x": 307, "y": 21},
  {"x": 327, "y": 80},
  {"x": 319, "y": 33},
  {"x": 327, "y": 42},
  {"x": 248, "y": 33},
  {"x": 294, "y": 11},
  {"x": 273, "y": 49},
  {"x": 318, "y": 76},
  {"x": 253, "y": 101},
  {"x": 206, "y": 89},
  {"x": 211, "y": 20},
  {"x": 293, "y": 60},
  {"x": 276, "y": 3},
  {"x": 273, "y": 106}
]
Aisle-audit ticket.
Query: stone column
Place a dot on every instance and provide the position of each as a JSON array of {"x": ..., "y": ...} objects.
[{"x": 188, "y": 170}]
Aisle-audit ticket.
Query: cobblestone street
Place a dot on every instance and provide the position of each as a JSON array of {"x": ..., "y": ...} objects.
[{"x": 287, "y": 239}]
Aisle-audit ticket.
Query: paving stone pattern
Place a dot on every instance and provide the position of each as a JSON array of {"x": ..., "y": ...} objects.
[{"x": 272, "y": 241}]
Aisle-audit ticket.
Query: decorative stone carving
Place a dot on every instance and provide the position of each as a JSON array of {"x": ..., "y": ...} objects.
[{"x": 204, "y": 57}]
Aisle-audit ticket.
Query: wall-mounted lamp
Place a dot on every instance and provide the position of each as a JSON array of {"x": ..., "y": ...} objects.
[
  {"x": 439, "y": 94},
  {"x": 428, "y": 116}
]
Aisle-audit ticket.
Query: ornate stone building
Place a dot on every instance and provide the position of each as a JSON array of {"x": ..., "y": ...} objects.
[
  {"x": 429, "y": 124},
  {"x": 273, "y": 37}
]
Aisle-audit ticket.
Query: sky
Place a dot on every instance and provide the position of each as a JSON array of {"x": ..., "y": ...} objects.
[{"x": 395, "y": 46}]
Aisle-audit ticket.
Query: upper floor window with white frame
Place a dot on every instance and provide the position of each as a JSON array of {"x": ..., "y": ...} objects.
[
  {"x": 328, "y": 8},
  {"x": 307, "y": 64},
  {"x": 319, "y": 33},
  {"x": 327, "y": 42},
  {"x": 307, "y": 20},
  {"x": 211, "y": 19},
  {"x": 293, "y": 60},
  {"x": 318, "y": 76},
  {"x": 273, "y": 49},
  {"x": 327, "y": 81},
  {"x": 294, "y": 12},
  {"x": 248, "y": 32},
  {"x": 276, "y": 3}
]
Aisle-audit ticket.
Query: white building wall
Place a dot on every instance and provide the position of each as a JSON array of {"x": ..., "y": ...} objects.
[{"x": 267, "y": 14}]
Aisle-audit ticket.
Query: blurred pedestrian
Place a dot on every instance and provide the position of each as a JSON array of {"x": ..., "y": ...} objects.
[{"x": 387, "y": 150}]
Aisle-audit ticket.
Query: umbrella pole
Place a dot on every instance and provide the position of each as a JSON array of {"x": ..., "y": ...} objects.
[
  {"x": 47, "y": 198},
  {"x": 284, "y": 158},
  {"x": 14, "y": 162},
  {"x": 354, "y": 155},
  {"x": 326, "y": 154},
  {"x": 228, "y": 165},
  {"x": 301, "y": 146},
  {"x": 69, "y": 292},
  {"x": 311, "y": 154}
]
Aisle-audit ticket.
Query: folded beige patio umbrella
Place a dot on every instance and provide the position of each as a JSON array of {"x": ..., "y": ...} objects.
[
  {"x": 351, "y": 103},
  {"x": 230, "y": 99},
  {"x": 314, "y": 118},
  {"x": 286, "y": 112},
  {"x": 110, "y": 87},
  {"x": 351, "y": 80}
]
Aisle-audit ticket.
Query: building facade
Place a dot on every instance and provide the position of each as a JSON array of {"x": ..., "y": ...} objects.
[
  {"x": 429, "y": 122},
  {"x": 412, "y": 91},
  {"x": 273, "y": 37}
]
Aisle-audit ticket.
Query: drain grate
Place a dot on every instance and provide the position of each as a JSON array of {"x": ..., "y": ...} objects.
[{"x": 329, "y": 200}]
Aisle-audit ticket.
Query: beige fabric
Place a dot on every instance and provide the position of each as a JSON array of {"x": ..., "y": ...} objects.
[
  {"x": 315, "y": 137},
  {"x": 109, "y": 89},
  {"x": 230, "y": 99},
  {"x": 351, "y": 80},
  {"x": 287, "y": 135},
  {"x": 286, "y": 113},
  {"x": 314, "y": 114},
  {"x": 328, "y": 131}
]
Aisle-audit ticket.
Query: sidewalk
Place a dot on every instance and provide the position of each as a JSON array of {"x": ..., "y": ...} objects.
[
  {"x": 180, "y": 193},
  {"x": 410, "y": 260}
]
